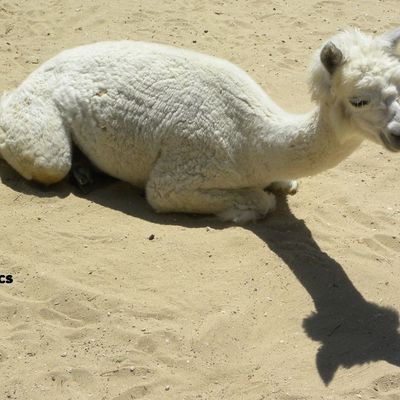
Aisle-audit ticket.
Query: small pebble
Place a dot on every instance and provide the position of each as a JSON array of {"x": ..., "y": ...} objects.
[
  {"x": 131, "y": 369},
  {"x": 151, "y": 237},
  {"x": 167, "y": 388},
  {"x": 32, "y": 61},
  {"x": 64, "y": 355}
]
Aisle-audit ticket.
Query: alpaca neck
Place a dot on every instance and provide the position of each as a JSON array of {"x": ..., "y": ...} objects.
[{"x": 310, "y": 143}]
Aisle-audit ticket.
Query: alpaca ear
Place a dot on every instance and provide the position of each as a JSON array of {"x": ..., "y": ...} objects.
[
  {"x": 392, "y": 38},
  {"x": 331, "y": 57}
]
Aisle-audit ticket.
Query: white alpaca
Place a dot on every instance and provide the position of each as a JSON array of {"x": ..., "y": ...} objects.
[{"x": 196, "y": 131}]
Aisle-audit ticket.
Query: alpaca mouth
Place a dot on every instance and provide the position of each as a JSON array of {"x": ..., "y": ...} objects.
[{"x": 390, "y": 141}]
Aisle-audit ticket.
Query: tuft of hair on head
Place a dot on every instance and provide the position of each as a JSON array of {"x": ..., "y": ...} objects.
[{"x": 348, "y": 44}]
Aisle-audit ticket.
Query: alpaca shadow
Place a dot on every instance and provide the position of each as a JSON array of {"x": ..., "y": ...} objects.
[
  {"x": 108, "y": 192},
  {"x": 13, "y": 180},
  {"x": 351, "y": 330}
]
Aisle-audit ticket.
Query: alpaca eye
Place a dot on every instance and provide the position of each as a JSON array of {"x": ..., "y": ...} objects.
[{"x": 359, "y": 102}]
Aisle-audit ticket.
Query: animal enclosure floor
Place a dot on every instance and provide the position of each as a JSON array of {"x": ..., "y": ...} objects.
[{"x": 111, "y": 301}]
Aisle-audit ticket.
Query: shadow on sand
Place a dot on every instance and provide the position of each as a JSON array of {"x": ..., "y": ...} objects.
[{"x": 350, "y": 329}]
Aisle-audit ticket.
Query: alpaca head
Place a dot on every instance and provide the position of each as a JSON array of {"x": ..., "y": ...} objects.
[{"x": 358, "y": 77}]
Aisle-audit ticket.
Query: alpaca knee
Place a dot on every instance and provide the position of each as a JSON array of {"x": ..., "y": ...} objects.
[
  {"x": 155, "y": 198},
  {"x": 164, "y": 200}
]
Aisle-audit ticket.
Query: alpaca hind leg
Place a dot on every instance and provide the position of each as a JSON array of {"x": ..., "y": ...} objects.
[
  {"x": 285, "y": 187},
  {"x": 34, "y": 141}
]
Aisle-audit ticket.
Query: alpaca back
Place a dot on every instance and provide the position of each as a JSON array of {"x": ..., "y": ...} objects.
[{"x": 122, "y": 102}]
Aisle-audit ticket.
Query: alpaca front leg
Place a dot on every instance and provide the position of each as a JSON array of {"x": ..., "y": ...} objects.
[
  {"x": 236, "y": 205},
  {"x": 285, "y": 187}
]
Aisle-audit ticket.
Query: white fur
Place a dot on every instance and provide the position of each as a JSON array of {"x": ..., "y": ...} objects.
[{"x": 196, "y": 131}]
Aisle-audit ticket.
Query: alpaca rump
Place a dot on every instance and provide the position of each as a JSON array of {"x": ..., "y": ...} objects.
[{"x": 196, "y": 131}]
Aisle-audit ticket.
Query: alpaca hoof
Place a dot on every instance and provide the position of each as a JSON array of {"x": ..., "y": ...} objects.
[
  {"x": 81, "y": 173},
  {"x": 83, "y": 178},
  {"x": 293, "y": 188},
  {"x": 284, "y": 187}
]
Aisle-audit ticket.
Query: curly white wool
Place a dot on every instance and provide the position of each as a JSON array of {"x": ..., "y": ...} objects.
[{"x": 196, "y": 131}]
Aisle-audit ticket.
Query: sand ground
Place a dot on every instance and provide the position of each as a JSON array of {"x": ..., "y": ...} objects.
[{"x": 302, "y": 305}]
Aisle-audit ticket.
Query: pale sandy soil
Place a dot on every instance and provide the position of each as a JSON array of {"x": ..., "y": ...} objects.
[{"x": 300, "y": 306}]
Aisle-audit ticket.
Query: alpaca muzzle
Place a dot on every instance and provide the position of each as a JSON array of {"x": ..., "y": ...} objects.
[
  {"x": 391, "y": 142},
  {"x": 390, "y": 136}
]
